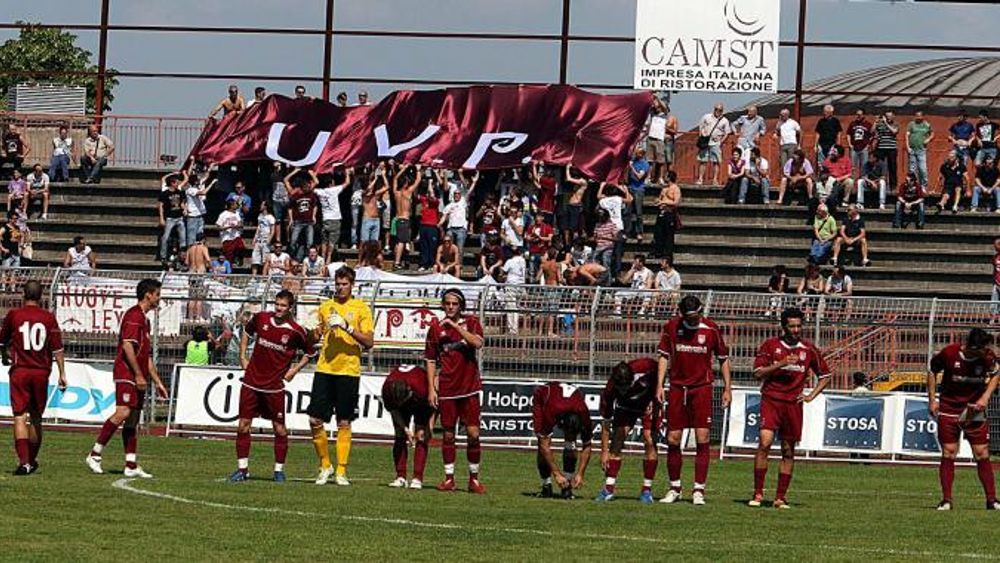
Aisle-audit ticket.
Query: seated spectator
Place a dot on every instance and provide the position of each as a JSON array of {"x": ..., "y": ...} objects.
[
  {"x": 447, "y": 259},
  {"x": 812, "y": 283},
  {"x": 233, "y": 103},
  {"x": 10, "y": 242},
  {"x": 579, "y": 253},
  {"x": 97, "y": 149},
  {"x": 278, "y": 262},
  {"x": 777, "y": 285},
  {"x": 638, "y": 276},
  {"x": 852, "y": 234},
  {"x": 38, "y": 188},
  {"x": 797, "y": 175},
  {"x": 987, "y": 183},
  {"x": 824, "y": 233},
  {"x": 221, "y": 265},
  {"x": 587, "y": 275},
  {"x": 839, "y": 184},
  {"x": 370, "y": 255},
  {"x": 736, "y": 168},
  {"x": 872, "y": 177},
  {"x": 909, "y": 201},
  {"x": 755, "y": 177},
  {"x": 839, "y": 284},
  {"x": 668, "y": 278},
  {"x": 490, "y": 257},
  {"x": 17, "y": 190},
  {"x": 952, "y": 181},
  {"x": 14, "y": 148},
  {"x": 243, "y": 201},
  {"x": 314, "y": 266},
  {"x": 80, "y": 257},
  {"x": 62, "y": 154}
]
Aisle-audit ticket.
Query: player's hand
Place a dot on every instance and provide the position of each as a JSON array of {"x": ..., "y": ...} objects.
[
  {"x": 5, "y": 359},
  {"x": 244, "y": 362},
  {"x": 785, "y": 361},
  {"x": 410, "y": 438},
  {"x": 289, "y": 375},
  {"x": 432, "y": 398},
  {"x": 605, "y": 458},
  {"x": 661, "y": 395},
  {"x": 802, "y": 398},
  {"x": 978, "y": 406},
  {"x": 446, "y": 322},
  {"x": 62, "y": 383},
  {"x": 727, "y": 397},
  {"x": 560, "y": 480},
  {"x": 577, "y": 481},
  {"x": 336, "y": 321},
  {"x": 140, "y": 383},
  {"x": 933, "y": 408},
  {"x": 161, "y": 391}
]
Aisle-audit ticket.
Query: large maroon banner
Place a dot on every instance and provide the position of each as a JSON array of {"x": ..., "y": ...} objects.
[{"x": 480, "y": 127}]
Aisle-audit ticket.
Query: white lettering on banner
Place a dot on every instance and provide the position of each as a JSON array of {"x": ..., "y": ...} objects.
[
  {"x": 88, "y": 304},
  {"x": 89, "y": 394},
  {"x": 711, "y": 45},
  {"x": 844, "y": 423},
  {"x": 928, "y": 426},
  {"x": 274, "y": 138},
  {"x": 508, "y": 400},
  {"x": 385, "y": 149},
  {"x": 502, "y": 143}
]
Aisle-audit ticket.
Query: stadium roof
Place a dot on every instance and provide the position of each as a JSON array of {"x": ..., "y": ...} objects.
[{"x": 927, "y": 80}]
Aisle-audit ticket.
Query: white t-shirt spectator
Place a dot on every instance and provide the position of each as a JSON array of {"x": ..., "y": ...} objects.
[
  {"x": 515, "y": 268},
  {"x": 329, "y": 202},
  {"x": 839, "y": 285},
  {"x": 707, "y": 126},
  {"x": 457, "y": 214},
  {"x": 668, "y": 282},
  {"x": 265, "y": 226},
  {"x": 510, "y": 235},
  {"x": 230, "y": 225},
  {"x": 641, "y": 277},
  {"x": 658, "y": 127},
  {"x": 62, "y": 146},
  {"x": 614, "y": 205},
  {"x": 195, "y": 202},
  {"x": 79, "y": 261},
  {"x": 787, "y": 131},
  {"x": 38, "y": 182}
]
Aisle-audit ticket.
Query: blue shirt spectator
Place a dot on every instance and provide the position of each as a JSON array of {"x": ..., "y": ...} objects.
[
  {"x": 243, "y": 200},
  {"x": 221, "y": 266}
]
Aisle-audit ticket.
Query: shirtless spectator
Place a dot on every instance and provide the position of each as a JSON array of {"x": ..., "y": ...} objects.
[
  {"x": 329, "y": 204},
  {"x": 404, "y": 212},
  {"x": 574, "y": 206},
  {"x": 798, "y": 175},
  {"x": 80, "y": 257},
  {"x": 587, "y": 275},
  {"x": 447, "y": 259},
  {"x": 371, "y": 215},
  {"x": 233, "y": 103},
  {"x": 278, "y": 262},
  {"x": 198, "y": 262},
  {"x": 852, "y": 234},
  {"x": 14, "y": 148}
]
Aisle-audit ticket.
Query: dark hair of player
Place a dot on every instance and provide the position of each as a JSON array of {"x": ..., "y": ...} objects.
[
  {"x": 978, "y": 339},
  {"x": 344, "y": 273},
  {"x": 145, "y": 287},
  {"x": 688, "y": 305},
  {"x": 397, "y": 395},
  {"x": 286, "y": 295},
  {"x": 791, "y": 313},
  {"x": 621, "y": 376},
  {"x": 571, "y": 425},
  {"x": 32, "y": 291},
  {"x": 457, "y": 293}
]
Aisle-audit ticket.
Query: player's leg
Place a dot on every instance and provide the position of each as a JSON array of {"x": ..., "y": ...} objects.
[
  {"x": 280, "y": 448},
  {"x": 130, "y": 442},
  {"x": 785, "y": 472},
  {"x": 320, "y": 412},
  {"x": 618, "y": 433},
  {"x": 126, "y": 396},
  {"x": 569, "y": 458},
  {"x": 700, "y": 416},
  {"x": 242, "y": 447},
  {"x": 948, "y": 436},
  {"x": 400, "y": 448},
  {"x": 676, "y": 422},
  {"x": 978, "y": 437},
  {"x": 34, "y": 438},
  {"x": 422, "y": 437},
  {"x": 649, "y": 460},
  {"x": 544, "y": 471},
  {"x": 765, "y": 440},
  {"x": 348, "y": 389},
  {"x": 449, "y": 419},
  {"x": 469, "y": 413},
  {"x": 20, "y": 399}
]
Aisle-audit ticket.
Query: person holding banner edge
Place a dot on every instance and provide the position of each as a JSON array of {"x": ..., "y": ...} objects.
[{"x": 969, "y": 375}]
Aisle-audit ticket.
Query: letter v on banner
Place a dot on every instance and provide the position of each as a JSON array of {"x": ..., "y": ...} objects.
[
  {"x": 274, "y": 138},
  {"x": 390, "y": 151},
  {"x": 503, "y": 142}
]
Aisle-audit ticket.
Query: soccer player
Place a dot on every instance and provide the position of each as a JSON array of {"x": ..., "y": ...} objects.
[
  {"x": 133, "y": 370},
  {"x": 279, "y": 339},
  {"x": 30, "y": 335},
  {"x": 629, "y": 396},
  {"x": 968, "y": 375},
  {"x": 687, "y": 345},
  {"x": 345, "y": 329},
  {"x": 454, "y": 384},
  {"x": 560, "y": 404},
  {"x": 404, "y": 395},
  {"x": 783, "y": 365}
]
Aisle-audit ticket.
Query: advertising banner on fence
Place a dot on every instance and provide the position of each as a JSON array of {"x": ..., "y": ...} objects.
[
  {"x": 707, "y": 46},
  {"x": 89, "y": 395},
  {"x": 91, "y": 304}
]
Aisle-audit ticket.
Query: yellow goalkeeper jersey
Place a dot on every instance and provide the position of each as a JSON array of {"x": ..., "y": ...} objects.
[{"x": 340, "y": 353}]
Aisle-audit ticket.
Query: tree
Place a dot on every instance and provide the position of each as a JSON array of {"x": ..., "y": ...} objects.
[{"x": 37, "y": 50}]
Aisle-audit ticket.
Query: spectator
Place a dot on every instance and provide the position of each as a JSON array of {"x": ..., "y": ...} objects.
[
  {"x": 539, "y": 237},
  {"x": 17, "y": 191},
  {"x": 987, "y": 135},
  {"x": 886, "y": 145},
  {"x": 668, "y": 213},
  {"x": 987, "y": 183},
  {"x": 314, "y": 266},
  {"x": 909, "y": 200},
  {"x": 638, "y": 174},
  {"x": 369, "y": 256},
  {"x": 455, "y": 220},
  {"x": 404, "y": 211},
  {"x": 195, "y": 210},
  {"x": 713, "y": 129},
  {"x": 756, "y": 176},
  {"x": 363, "y": 98},
  {"x": 798, "y": 175},
  {"x": 872, "y": 177},
  {"x": 828, "y": 132},
  {"x": 860, "y": 135},
  {"x": 839, "y": 184},
  {"x": 614, "y": 199},
  {"x": 341, "y": 98},
  {"x": 10, "y": 242},
  {"x": 371, "y": 222},
  {"x": 860, "y": 384},
  {"x": 515, "y": 267},
  {"x": 606, "y": 234},
  {"x": 63, "y": 154},
  {"x": 304, "y": 206},
  {"x": 278, "y": 262},
  {"x": 243, "y": 202},
  {"x": 579, "y": 253},
  {"x": 750, "y": 129},
  {"x": 171, "y": 208},
  {"x": 329, "y": 204},
  {"x": 961, "y": 135},
  {"x": 447, "y": 259},
  {"x": 279, "y": 198},
  {"x": 198, "y": 262},
  {"x": 952, "y": 180},
  {"x": 586, "y": 275},
  {"x": 737, "y": 173},
  {"x": 638, "y": 275},
  {"x": 221, "y": 265},
  {"x": 789, "y": 135},
  {"x": 430, "y": 216},
  {"x": 199, "y": 349},
  {"x": 812, "y": 283},
  {"x": 852, "y": 233},
  {"x": 839, "y": 284},
  {"x": 488, "y": 219},
  {"x": 80, "y": 257},
  {"x": 777, "y": 286},
  {"x": 512, "y": 229},
  {"x": 668, "y": 278},
  {"x": 996, "y": 277},
  {"x": 233, "y": 103},
  {"x": 266, "y": 235},
  {"x": 660, "y": 141},
  {"x": 574, "y": 206},
  {"x": 97, "y": 149},
  {"x": 545, "y": 187},
  {"x": 259, "y": 93},
  {"x": 300, "y": 94},
  {"x": 15, "y": 148},
  {"x": 230, "y": 225},
  {"x": 824, "y": 233},
  {"x": 38, "y": 188},
  {"x": 919, "y": 135},
  {"x": 490, "y": 257}
]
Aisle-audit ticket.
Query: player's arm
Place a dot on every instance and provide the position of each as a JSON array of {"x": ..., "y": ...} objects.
[
  {"x": 128, "y": 348},
  {"x": 933, "y": 376},
  {"x": 545, "y": 449},
  {"x": 470, "y": 337},
  {"x": 765, "y": 372},
  {"x": 432, "y": 383},
  {"x": 161, "y": 389},
  {"x": 662, "y": 365},
  {"x": 991, "y": 386},
  {"x": 294, "y": 369},
  {"x": 61, "y": 365},
  {"x": 6, "y": 331},
  {"x": 605, "y": 440},
  {"x": 821, "y": 383},
  {"x": 364, "y": 335},
  {"x": 727, "y": 382},
  {"x": 244, "y": 344}
]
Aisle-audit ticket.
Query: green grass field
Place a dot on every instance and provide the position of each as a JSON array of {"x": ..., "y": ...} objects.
[{"x": 840, "y": 512}]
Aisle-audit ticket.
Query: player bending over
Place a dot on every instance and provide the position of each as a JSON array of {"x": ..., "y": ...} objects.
[
  {"x": 404, "y": 395},
  {"x": 968, "y": 375},
  {"x": 278, "y": 340},
  {"x": 630, "y": 395},
  {"x": 560, "y": 404},
  {"x": 784, "y": 365}
]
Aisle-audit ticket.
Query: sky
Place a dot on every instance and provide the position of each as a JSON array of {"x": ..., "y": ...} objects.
[{"x": 445, "y": 59}]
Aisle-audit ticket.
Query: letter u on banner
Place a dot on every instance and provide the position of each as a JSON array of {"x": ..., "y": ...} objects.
[{"x": 274, "y": 138}]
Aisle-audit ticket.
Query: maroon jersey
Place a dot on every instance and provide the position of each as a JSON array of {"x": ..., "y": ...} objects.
[
  {"x": 860, "y": 134},
  {"x": 690, "y": 351},
  {"x": 547, "y": 194},
  {"x": 31, "y": 335},
  {"x": 639, "y": 395},
  {"x": 996, "y": 269},
  {"x": 415, "y": 378},
  {"x": 552, "y": 400},
  {"x": 964, "y": 380},
  {"x": 134, "y": 329},
  {"x": 274, "y": 350},
  {"x": 304, "y": 206},
  {"x": 787, "y": 384},
  {"x": 457, "y": 363},
  {"x": 490, "y": 222}
]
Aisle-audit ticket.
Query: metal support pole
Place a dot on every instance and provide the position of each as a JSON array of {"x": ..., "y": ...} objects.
[
  {"x": 820, "y": 310},
  {"x": 328, "y": 50},
  {"x": 484, "y": 291},
  {"x": 593, "y": 334},
  {"x": 800, "y": 49},
  {"x": 102, "y": 62},
  {"x": 564, "y": 43},
  {"x": 930, "y": 330},
  {"x": 708, "y": 302}
]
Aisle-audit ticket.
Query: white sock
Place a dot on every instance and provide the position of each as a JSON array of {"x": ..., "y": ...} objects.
[
  {"x": 449, "y": 469},
  {"x": 474, "y": 468},
  {"x": 647, "y": 483},
  {"x": 98, "y": 448},
  {"x": 242, "y": 463},
  {"x": 547, "y": 481},
  {"x": 610, "y": 481},
  {"x": 699, "y": 487},
  {"x": 130, "y": 458},
  {"x": 675, "y": 484},
  {"x": 279, "y": 466}
]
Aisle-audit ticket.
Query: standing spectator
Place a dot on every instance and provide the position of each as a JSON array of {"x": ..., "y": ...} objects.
[
  {"x": 300, "y": 94},
  {"x": 171, "y": 207},
  {"x": 404, "y": 211},
  {"x": 329, "y": 204},
  {"x": 713, "y": 129},
  {"x": 952, "y": 180},
  {"x": 872, "y": 177},
  {"x": 341, "y": 98},
  {"x": 10, "y": 243},
  {"x": 371, "y": 216},
  {"x": 539, "y": 238},
  {"x": 490, "y": 257},
  {"x": 512, "y": 229},
  {"x": 430, "y": 216},
  {"x": 860, "y": 385},
  {"x": 17, "y": 192},
  {"x": 266, "y": 235},
  {"x": 455, "y": 221},
  {"x": 886, "y": 145},
  {"x": 660, "y": 141},
  {"x": 789, "y": 135},
  {"x": 574, "y": 207},
  {"x": 38, "y": 188},
  {"x": 610, "y": 198},
  {"x": 638, "y": 171},
  {"x": 824, "y": 232},
  {"x": 860, "y": 135},
  {"x": 606, "y": 234},
  {"x": 233, "y": 103},
  {"x": 363, "y": 98},
  {"x": 545, "y": 185},
  {"x": 488, "y": 219},
  {"x": 279, "y": 198},
  {"x": 996, "y": 277},
  {"x": 195, "y": 209},
  {"x": 852, "y": 232},
  {"x": 668, "y": 205},
  {"x": 304, "y": 208},
  {"x": 668, "y": 278},
  {"x": 909, "y": 200},
  {"x": 797, "y": 175},
  {"x": 259, "y": 93},
  {"x": 231, "y": 233},
  {"x": 97, "y": 149},
  {"x": 839, "y": 284},
  {"x": 15, "y": 148},
  {"x": 755, "y": 176},
  {"x": 63, "y": 154},
  {"x": 243, "y": 202},
  {"x": 918, "y": 135},
  {"x": 80, "y": 257},
  {"x": 961, "y": 135},
  {"x": 839, "y": 185},
  {"x": 828, "y": 131},
  {"x": 987, "y": 183},
  {"x": 750, "y": 128},
  {"x": 447, "y": 259},
  {"x": 987, "y": 136}
]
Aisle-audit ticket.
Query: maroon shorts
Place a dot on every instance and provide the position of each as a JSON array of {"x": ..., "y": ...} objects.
[
  {"x": 784, "y": 417},
  {"x": 29, "y": 391},
  {"x": 128, "y": 395},
  {"x": 231, "y": 247},
  {"x": 258, "y": 404},
  {"x": 649, "y": 418},
  {"x": 689, "y": 407},
  {"x": 420, "y": 415},
  {"x": 950, "y": 430},
  {"x": 465, "y": 409}
]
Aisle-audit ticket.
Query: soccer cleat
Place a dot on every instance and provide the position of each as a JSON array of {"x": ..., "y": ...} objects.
[
  {"x": 279, "y": 477},
  {"x": 33, "y": 467},
  {"x": 756, "y": 501},
  {"x": 567, "y": 493},
  {"x": 324, "y": 475},
  {"x": 138, "y": 472},
  {"x": 447, "y": 486},
  {"x": 781, "y": 503},
  {"x": 341, "y": 481},
  {"x": 604, "y": 495},
  {"x": 94, "y": 463},
  {"x": 992, "y": 505},
  {"x": 239, "y": 476},
  {"x": 475, "y": 487},
  {"x": 698, "y": 497},
  {"x": 398, "y": 483},
  {"x": 672, "y": 496},
  {"x": 416, "y": 484},
  {"x": 944, "y": 505},
  {"x": 546, "y": 491},
  {"x": 23, "y": 469},
  {"x": 646, "y": 497}
]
